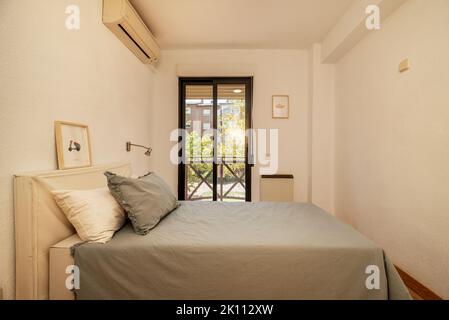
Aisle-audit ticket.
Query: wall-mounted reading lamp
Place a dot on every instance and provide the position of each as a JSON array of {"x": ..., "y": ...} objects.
[{"x": 129, "y": 144}]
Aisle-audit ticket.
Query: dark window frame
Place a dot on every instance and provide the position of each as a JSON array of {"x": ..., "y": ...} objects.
[{"x": 214, "y": 82}]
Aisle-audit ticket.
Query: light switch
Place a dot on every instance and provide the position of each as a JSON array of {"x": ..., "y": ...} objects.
[{"x": 404, "y": 65}]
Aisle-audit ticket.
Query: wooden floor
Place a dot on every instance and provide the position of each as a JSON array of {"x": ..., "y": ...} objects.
[
  {"x": 415, "y": 295},
  {"x": 417, "y": 290}
]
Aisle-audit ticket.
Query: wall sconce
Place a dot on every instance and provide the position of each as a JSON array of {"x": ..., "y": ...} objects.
[{"x": 129, "y": 144}]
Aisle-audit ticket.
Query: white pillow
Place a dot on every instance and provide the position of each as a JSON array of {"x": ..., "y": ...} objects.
[{"x": 94, "y": 213}]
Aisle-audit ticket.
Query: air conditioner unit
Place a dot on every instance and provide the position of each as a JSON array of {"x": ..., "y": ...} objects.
[{"x": 123, "y": 20}]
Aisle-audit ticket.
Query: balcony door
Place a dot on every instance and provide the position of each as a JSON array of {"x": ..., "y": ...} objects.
[{"x": 215, "y": 113}]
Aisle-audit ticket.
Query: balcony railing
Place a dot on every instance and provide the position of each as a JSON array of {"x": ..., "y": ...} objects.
[{"x": 230, "y": 178}]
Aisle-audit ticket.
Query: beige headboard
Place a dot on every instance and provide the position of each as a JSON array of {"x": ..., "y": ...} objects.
[{"x": 39, "y": 223}]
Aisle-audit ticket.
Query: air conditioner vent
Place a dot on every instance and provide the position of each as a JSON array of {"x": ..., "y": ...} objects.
[
  {"x": 123, "y": 20},
  {"x": 134, "y": 41}
]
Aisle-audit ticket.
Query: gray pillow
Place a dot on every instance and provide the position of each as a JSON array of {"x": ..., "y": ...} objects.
[{"x": 146, "y": 200}]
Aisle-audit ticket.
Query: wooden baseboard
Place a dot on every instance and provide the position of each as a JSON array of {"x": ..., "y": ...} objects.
[{"x": 417, "y": 287}]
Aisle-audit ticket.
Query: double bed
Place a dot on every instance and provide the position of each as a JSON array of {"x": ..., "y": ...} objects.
[{"x": 202, "y": 250}]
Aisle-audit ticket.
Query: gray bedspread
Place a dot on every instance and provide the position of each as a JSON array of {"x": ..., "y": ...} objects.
[{"x": 260, "y": 250}]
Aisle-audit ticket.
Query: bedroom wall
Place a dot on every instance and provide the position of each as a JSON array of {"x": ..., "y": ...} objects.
[
  {"x": 322, "y": 131},
  {"x": 49, "y": 73},
  {"x": 392, "y": 135},
  {"x": 275, "y": 72}
]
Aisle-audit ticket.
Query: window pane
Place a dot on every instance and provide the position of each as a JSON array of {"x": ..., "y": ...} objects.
[
  {"x": 199, "y": 143},
  {"x": 231, "y": 142}
]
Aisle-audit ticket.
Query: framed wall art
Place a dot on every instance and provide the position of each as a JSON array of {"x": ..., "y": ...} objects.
[
  {"x": 280, "y": 107},
  {"x": 72, "y": 145}
]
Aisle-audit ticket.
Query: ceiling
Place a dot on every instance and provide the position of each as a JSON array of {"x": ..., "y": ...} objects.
[{"x": 211, "y": 24}]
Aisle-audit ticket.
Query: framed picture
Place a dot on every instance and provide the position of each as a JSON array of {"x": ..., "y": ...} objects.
[
  {"x": 280, "y": 107},
  {"x": 72, "y": 145}
]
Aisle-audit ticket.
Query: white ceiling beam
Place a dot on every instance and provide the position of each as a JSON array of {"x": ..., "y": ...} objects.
[{"x": 350, "y": 28}]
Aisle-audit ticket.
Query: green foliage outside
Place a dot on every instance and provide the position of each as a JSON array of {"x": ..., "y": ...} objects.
[{"x": 231, "y": 145}]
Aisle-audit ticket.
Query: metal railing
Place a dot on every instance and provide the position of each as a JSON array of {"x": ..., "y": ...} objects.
[{"x": 223, "y": 164}]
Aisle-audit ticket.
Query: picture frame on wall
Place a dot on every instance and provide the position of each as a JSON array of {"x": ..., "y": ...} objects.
[
  {"x": 280, "y": 107},
  {"x": 73, "y": 147}
]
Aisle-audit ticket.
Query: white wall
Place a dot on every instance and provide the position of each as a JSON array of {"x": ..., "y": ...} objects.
[
  {"x": 392, "y": 140},
  {"x": 275, "y": 72},
  {"x": 322, "y": 131},
  {"x": 48, "y": 73}
]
